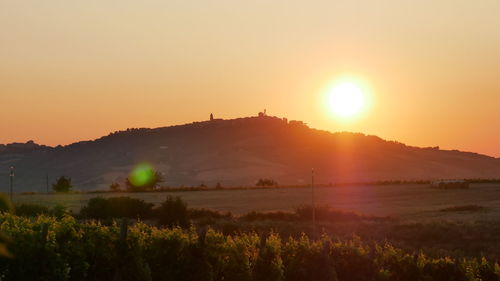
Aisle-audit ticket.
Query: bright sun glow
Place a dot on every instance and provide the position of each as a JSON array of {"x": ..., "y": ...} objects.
[{"x": 346, "y": 99}]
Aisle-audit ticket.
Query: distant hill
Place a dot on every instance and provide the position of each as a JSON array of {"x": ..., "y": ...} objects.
[{"x": 236, "y": 152}]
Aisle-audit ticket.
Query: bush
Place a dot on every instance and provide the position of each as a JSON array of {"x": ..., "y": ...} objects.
[
  {"x": 7, "y": 207},
  {"x": 63, "y": 184},
  {"x": 305, "y": 260},
  {"x": 5, "y": 204},
  {"x": 116, "y": 207},
  {"x": 266, "y": 183},
  {"x": 269, "y": 264},
  {"x": 354, "y": 261},
  {"x": 260, "y": 216},
  {"x": 208, "y": 214},
  {"x": 115, "y": 187},
  {"x": 326, "y": 213},
  {"x": 90, "y": 251},
  {"x": 173, "y": 212},
  {"x": 31, "y": 210},
  {"x": 59, "y": 211},
  {"x": 304, "y": 213}
]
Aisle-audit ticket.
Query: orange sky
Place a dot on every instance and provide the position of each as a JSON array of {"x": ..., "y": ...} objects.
[{"x": 76, "y": 70}]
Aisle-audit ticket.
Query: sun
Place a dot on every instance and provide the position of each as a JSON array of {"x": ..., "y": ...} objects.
[{"x": 346, "y": 99}]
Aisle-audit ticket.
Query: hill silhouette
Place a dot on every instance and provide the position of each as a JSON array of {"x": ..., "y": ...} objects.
[{"x": 236, "y": 152}]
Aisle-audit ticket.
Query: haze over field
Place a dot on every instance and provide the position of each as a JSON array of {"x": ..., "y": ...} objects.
[{"x": 73, "y": 71}]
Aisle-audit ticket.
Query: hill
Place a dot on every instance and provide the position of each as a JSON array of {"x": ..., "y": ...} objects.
[{"x": 236, "y": 152}]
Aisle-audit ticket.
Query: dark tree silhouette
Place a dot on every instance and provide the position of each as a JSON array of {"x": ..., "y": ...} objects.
[
  {"x": 173, "y": 212},
  {"x": 266, "y": 182},
  {"x": 114, "y": 186},
  {"x": 62, "y": 184}
]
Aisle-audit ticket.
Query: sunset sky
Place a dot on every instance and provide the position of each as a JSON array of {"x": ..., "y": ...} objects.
[{"x": 77, "y": 70}]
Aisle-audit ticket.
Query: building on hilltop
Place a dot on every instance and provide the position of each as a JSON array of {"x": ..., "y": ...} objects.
[
  {"x": 212, "y": 118},
  {"x": 297, "y": 123},
  {"x": 446, "y": 184}
]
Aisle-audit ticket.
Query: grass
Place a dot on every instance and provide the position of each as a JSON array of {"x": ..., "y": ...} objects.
[
  {"x": 304, "y": 213},
  {"x": 438, "y": 238},
  {"x": 411, "y": 202}
]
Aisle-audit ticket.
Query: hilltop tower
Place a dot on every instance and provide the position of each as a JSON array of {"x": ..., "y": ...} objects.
[{"x": 211, "y": 117}]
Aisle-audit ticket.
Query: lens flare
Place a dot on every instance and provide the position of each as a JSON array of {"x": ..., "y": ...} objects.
[{"x": 142, "y": 175}]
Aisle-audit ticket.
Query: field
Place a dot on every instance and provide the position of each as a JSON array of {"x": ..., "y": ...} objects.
[
  {"x": 432, "y": 234},
  {"x": 407, "y": 202}
]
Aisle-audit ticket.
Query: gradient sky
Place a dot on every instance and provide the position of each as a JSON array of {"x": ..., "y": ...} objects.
[{"x": 77, "y": 70}]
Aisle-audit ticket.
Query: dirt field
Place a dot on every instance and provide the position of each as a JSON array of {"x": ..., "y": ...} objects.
[{"x": 407, "y": 202}]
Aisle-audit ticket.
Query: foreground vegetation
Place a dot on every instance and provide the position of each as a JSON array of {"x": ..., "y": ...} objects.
[
  {"x": 123, "y": 238},
  {"x": 438, "y": 238},
  {"x": 45, "y": 248}
]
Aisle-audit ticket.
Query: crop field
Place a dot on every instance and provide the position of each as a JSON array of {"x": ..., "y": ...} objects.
[
  {"x": 408, "y": 202},
  {"x": 415, "y": 245}
]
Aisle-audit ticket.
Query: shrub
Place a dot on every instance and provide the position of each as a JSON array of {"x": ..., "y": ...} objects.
[
  {"x": 444, "y": 269},
  {"x": 208, "y": 214},
  {"x": 62, "y": 184},
  {"x": 305, "y": 260},
  {"x": 326, "y": 213},
  {"x": 4, "y": 253},
  {"x": 59, "y": 211},
  {"x": 395, "y": 265},
  {"x": 116, "y": 207},
  {"x": 114, "y": 187},
  {"x": 266, "y": 182},
  {"x": 173, "y": 212},
  {"x": 31, "y": 210},
  {"x": 260, "y": 216},
  {"x": 304, "y": 213},
  {"x": 5, "y": 204},
  {"x": 269, "y": 264},
  {"x": 45, "y": 248},
  {"x": 354, "y": 261}
]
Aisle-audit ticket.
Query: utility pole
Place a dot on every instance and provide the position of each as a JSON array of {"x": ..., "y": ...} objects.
[
  {"x": 11, "y": 175},
  {"x": 313, "y": 204}
]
